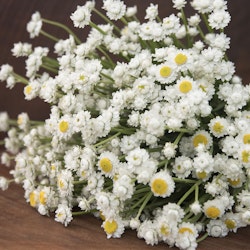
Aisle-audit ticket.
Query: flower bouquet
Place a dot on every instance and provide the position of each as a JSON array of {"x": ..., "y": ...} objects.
[{"x": 149, "y": 126}]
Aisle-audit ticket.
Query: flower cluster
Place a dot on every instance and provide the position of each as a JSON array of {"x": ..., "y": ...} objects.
[{"x": 149, "y": 126}]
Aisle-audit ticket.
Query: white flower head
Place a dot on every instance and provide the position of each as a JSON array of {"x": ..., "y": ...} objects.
[
  {"x": 162, "y": 184},
  {"x": 116, "y": 9},
  {"x": 35, "y": 25},
  {"x": 63, "y": 214},
  {"x": 81, "y": 17}
]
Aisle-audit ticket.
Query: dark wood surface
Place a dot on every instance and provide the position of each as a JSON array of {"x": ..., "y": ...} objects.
[{"x": 21, "y": 227}]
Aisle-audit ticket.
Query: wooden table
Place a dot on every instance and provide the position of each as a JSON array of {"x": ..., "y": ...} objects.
[{"x": 21, "y": 227}]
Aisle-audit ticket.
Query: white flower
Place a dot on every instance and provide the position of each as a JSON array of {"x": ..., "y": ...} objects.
[
  {"x": 81, "y": 16},
  {"x": 35, "y": 25},
  {"x": 214, "y": 208},
  {"x": 179, "y": 4},
  {"x": 151, "y": 12},
  {"x": 21, "y": 49},
  {"x": 216, "y": 228},
  {"x": 147, "y": 231},
  {"x": 113, "y": 227},
  {"x": 4, "y": 121},
  {"x": 162, "y": 184},
  {"x": 4, "y": 183},
  {"x": 115, "y": 9},
  {"x": 63, "y": 214},
  {"x": 219, "y": 19},
  {"x": 131, "y": 11}
]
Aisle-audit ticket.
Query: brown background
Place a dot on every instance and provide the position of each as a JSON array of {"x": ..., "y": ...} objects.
[{"x": 20, "y": 226}]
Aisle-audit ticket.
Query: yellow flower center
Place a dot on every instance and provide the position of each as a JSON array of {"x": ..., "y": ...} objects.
[
  {"x": 246, "y": 139},
  {"x": 61, "y": 184},
  {"x": 83, "y": 173},
  {"x": 110, "y": 226},
  {"x": 164, "y": 230},
  {"x": 212, "y": 212},
  {"x": 201, "y": 175},
  {"x": 32, "y": 198},
  {"x": 230, "y": 223},
  {"x": 218, "y": 127},
  {"x": 180, "y": 59},
  {"x": 106, "y": 165},
  {"x": 63, "y": 126},
  {"x": 42, "y": 198},
  {"x": 53, "y": 167},
  {"x": 19, "y": 120},
  {"x": 27, "y": 89},
  {"x": 159, "y": 186},
  {"x": 185, "y": 87},
  {"x": 81, "y": 77},
  {"x": 182, "y": 230},
  {"x": 199, "y": 139},
  {"x": 245, "y": 156},
  {"x": 165, "y": 71},
  {"x": 234, "y": 182}
]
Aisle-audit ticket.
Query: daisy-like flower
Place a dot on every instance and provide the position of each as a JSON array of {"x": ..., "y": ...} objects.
[
  {"x": 35, "y": 25},
  {"x": 113, "y": 227},
  {"x": 218, "y": 126},
  {"x": 116, "y": 9},
  {"x": 214, "y": 209},
  {"x": 164, "y": 73},
  {"x": 233, "y": 221},
  {"x": 203, "y": 138},
  {"x": 244, "y": 154},
  {"x": 185, "y": 84},
  {"x": 108, "y": 162},
  {"x": 162, "y": 184}
]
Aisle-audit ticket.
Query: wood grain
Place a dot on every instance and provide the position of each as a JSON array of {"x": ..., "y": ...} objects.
[{"x": 21, "y": 227}]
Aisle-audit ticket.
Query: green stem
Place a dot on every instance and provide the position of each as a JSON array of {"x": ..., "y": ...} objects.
[
  {"x": 93, "y": 25},
  {"x": 147, "y": 198},
  {"x": 20, "y": 78},
  {"x": 84, "y": 212},
  {"x": 107, "y": 140},
  {"x": 53, "y": 38},
  {"x": 184, "y": 19},
  {"x": 206, "y": 22},
  {"x": 106, "y": 19},
  {"x": 107, "y": 56},
  {"x": 60, "y": 25},
  {"x": 49, "y": 68},
  {"x": 184, "y": 197},
  {"x": 204, "y": 236},
  {"x": 183, "y": 180}
]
